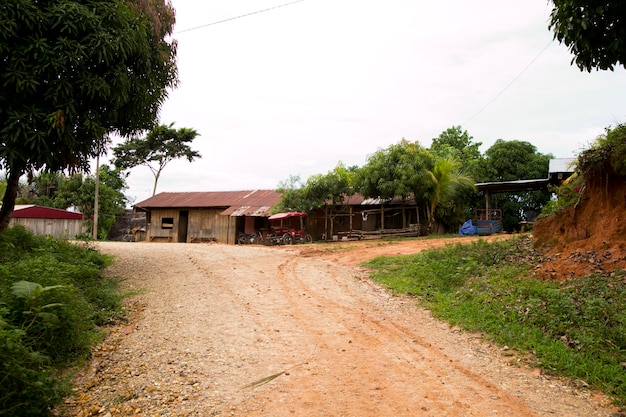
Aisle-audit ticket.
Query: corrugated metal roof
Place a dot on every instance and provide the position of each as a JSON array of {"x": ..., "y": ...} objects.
[
  {"x": 562, "y": 165},
  {"x": 254, "y": 203},
  {"x": 251, "y": 211},
  {"x": 205, "y": 199},
  {"x": 519, "y": 185},
  {"x": 556, "y": 165},
  {"x": 358, "y": 199},
  {"x": 31, "y": 211}
]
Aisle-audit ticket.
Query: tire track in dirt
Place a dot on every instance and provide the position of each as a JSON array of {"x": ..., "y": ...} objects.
[
  {"x": 264, "y": 330},
  {"x": 373, "y": 351}
]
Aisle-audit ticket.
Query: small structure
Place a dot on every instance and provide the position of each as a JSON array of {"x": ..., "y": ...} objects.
[
  {"x": 54, "y": 222},
  {"x": 559, "y": 170}
]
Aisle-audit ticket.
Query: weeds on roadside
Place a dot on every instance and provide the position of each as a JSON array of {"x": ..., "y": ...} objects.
[
  {"x": 52, "y": 298},
  {"x": 576, "y": 328}
]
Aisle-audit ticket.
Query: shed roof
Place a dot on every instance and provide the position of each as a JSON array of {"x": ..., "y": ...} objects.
[
  {"x": 558, "y": 169},
  {"x": 562, "y": 165},
  {"x": 519, "y": 185},
  {"x": 31, "y": 211},
  {"x": 251, "y": 211},
  {"x": 235, "y": 203}
]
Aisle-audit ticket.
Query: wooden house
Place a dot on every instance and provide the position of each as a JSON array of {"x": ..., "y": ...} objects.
[
  {"x": 54, "y": 222},
  {"x": 206, "y": 216}
]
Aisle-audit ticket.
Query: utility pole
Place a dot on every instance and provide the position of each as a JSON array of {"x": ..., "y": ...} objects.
[{"x": 95, "y": 200}]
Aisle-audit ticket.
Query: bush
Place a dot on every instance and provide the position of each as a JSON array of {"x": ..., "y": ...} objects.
[
  {"x": 52, "y": 298},
  {"x": 29, "y": 385}
]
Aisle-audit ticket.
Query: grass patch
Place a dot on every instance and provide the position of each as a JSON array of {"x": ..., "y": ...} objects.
[
  {"x": 575, "y": 328},
  {"x": 53, "y": 297}
]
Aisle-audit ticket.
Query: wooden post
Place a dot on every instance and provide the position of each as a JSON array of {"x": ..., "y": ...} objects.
[
  {"x": 419, "y": 226},
  {"x": 95, "y": 200},
  {"x": 351, "y": 214},
  {"x": 487, "y": 204}
]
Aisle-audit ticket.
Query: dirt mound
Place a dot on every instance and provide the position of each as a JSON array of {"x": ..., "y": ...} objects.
[{"x": 589, "y": 236}]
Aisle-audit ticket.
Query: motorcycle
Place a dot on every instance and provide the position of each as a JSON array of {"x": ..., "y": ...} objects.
[{"x": 255, "y": 238}]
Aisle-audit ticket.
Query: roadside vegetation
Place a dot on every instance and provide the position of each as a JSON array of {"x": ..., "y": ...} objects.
[
  {"x": 575, "y": 328},
  {"x": 52, "y": 300}
]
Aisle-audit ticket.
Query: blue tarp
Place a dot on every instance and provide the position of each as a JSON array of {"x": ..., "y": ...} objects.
[{"x": 467, "y": 229}]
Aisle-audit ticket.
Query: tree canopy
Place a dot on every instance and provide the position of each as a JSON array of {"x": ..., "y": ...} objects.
[
  {"x": 456, "y": 143},
  {"x": 399, "y": 170},
  {"x": 593, "y": 31},
  {"x": 292, "y": 196},
  {"x": 160, "y": 146},
  {"x": 72, "y": 73},
  {"x": 331, "y": 191}
]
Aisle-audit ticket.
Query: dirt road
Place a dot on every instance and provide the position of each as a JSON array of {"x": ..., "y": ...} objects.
[{"x": 257, "y": 331}]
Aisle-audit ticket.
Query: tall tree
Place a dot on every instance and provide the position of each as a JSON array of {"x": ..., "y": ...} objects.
[
  {"x": 401, "y": 170},
  {"x": 73, "y": 72},
  {"x": 160, "y": 146},
  {"x": 594, "y": 31}
]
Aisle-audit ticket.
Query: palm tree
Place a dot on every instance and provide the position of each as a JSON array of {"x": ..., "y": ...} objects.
[{"x": 447, "y": 178}]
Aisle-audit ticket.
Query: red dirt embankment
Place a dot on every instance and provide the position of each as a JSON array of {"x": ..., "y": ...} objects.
[{"x": 589, "y": 236}]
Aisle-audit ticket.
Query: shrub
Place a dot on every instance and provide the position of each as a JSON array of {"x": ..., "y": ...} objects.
[
  {"x": 52, "y": 297},
  {"x": 29, "y": 385}
]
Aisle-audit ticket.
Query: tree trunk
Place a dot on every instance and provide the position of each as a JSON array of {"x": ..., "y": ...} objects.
[
  {"x": 156, "y": 180},
  {"x": 8, "y": 201}
]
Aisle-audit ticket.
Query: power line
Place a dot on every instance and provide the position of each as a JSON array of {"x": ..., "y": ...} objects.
[
  {"x": 508, "y": 85},
  {"x": 238, "y": 17}
]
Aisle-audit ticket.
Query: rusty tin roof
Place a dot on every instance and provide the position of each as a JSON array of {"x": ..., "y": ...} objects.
[{"x": 235, "y": 203}]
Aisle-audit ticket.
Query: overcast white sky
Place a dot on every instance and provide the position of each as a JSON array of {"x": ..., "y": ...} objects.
[{"x": 295, "y": 90}]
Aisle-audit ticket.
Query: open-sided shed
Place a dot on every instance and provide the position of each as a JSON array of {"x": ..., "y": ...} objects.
[{"x": 48, "y": 221}]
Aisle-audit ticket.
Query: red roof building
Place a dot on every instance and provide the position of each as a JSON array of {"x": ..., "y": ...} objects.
[{"x": 48, "y": 221}]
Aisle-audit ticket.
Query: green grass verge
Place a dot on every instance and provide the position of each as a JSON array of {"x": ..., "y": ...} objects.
[
  {"x": 575, "y": 328},
  {"x": 53, "y": 297}
]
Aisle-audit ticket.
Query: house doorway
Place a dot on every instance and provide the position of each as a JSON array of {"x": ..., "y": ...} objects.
[{"x": 183, "y": 222}]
